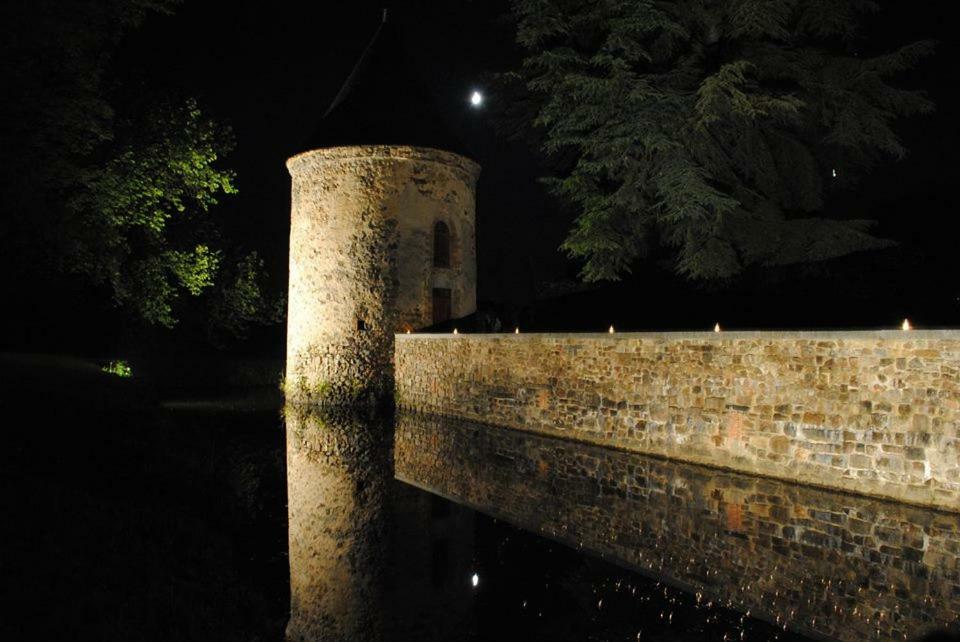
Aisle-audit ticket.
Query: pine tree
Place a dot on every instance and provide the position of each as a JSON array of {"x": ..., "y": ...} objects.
[{"x": 716, "y": 129}]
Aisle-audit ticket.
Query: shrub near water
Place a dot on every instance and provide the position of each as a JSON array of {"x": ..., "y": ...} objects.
[{"x": 118, "y": 367}]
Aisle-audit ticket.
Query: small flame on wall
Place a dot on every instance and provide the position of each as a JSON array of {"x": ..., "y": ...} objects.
[
  {"x": 611, "y": 330},
  {"x": 905, "y": 326},
  {"x": 455, "y": 331},
  {"x": 516, "y": 331},
  {"x": 716, "y": 328}
]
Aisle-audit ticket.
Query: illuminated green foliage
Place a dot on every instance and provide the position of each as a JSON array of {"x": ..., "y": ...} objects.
[
  {"x": 109, "y": 182},
  {"x": 137, "y": 220},
  {"x": 712, "y": 129},
  {"x": 118, "y": 367}
]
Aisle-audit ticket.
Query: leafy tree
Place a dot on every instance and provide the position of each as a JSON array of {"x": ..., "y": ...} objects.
[
  {"x": 241, "y": 300},
  {"x": 109, "y": 184},
  {"x": 715, "y": 129},
  {"x": 136, "y": 221}
]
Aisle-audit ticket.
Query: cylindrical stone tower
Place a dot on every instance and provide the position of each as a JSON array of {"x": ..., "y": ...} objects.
[{"x": 382, "y": 240}]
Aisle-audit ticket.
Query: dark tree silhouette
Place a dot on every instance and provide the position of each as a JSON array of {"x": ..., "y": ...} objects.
[{"x": 715, "y": 129}]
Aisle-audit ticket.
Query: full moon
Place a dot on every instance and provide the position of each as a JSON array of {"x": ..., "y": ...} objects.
[{"x": 476, "y": 99}]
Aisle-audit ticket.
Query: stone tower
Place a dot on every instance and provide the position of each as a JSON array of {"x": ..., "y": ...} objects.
[{"x": 382, "y": 235}]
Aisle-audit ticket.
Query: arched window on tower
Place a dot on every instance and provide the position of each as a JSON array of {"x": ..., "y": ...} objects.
[{"x": 441, "y": 245}]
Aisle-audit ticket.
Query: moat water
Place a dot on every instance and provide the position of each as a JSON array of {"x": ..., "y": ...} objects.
[
  {"x": 453, "y": 530},
  {"x": 197, "y": 523}
]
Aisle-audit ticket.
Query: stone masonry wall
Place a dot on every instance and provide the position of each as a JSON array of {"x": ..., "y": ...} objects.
[
  {"x": 871, "y": 412},
  {"x": 361, "y": 265},
  {"x": 825, "y": 564}
]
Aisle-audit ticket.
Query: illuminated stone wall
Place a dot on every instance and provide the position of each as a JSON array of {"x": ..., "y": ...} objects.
[
  {"x": 826, "y": 564},
  {"x": 872, "y": 412},
  {"x": 361, "y": 261}
]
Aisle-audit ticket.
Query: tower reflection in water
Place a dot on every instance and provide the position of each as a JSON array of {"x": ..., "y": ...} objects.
[
  {"x": 811, "y": 561},
  {"x": 370, "y": 558}
]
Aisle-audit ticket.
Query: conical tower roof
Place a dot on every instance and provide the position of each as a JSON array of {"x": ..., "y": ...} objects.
[{"x": 385, "y": 101}]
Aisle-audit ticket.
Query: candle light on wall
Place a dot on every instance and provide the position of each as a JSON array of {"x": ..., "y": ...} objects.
[
  {"x": 516, "y": 330},
  {"x": 905, "y": 326},
  {"x": 716, "y": 328},
  {"x": 611, "y": 329},
  {"x": 455, "y": 331}
]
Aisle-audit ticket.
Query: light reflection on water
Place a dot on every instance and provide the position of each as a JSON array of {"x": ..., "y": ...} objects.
[
  {"x": 370, "y": 558},
  {"x": 805, "y": 559},
  {"x": 337, "y": 476},
  {"x": 375, "y": 559}
]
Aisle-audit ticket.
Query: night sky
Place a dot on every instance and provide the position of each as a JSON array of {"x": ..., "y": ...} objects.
[
  {"x": 271, "y": 69},
  {"x": 148, "y": 505}
]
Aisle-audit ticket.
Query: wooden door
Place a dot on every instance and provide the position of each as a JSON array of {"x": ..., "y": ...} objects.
[{"x": 442, "y": 307}]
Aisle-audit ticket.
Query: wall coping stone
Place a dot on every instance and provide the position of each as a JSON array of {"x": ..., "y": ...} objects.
[{"x": 703, "y": 335}]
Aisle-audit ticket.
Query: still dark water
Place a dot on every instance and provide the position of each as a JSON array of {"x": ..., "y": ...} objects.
[
  {"x": 489, "y": 533},
  {"x": 420, "y": 558},
  {"x": 196, "y": 523}
]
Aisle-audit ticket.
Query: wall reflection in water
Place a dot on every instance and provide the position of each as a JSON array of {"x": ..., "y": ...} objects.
[
  {"x": 813, "y": 561},
  {"x": 370, "y": 558}
]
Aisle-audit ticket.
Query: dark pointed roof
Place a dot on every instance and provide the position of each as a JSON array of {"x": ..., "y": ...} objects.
[{"x": 385, "y": 101}]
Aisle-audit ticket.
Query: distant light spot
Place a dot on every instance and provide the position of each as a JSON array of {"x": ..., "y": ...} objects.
[
  {"x": 476, "y": 99},
  {"x": 474, "y": 580},
  {"x": 833, "y": 172}
]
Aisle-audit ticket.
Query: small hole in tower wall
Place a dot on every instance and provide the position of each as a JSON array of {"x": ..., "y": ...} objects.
[{"x": 361, "y": 325}]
